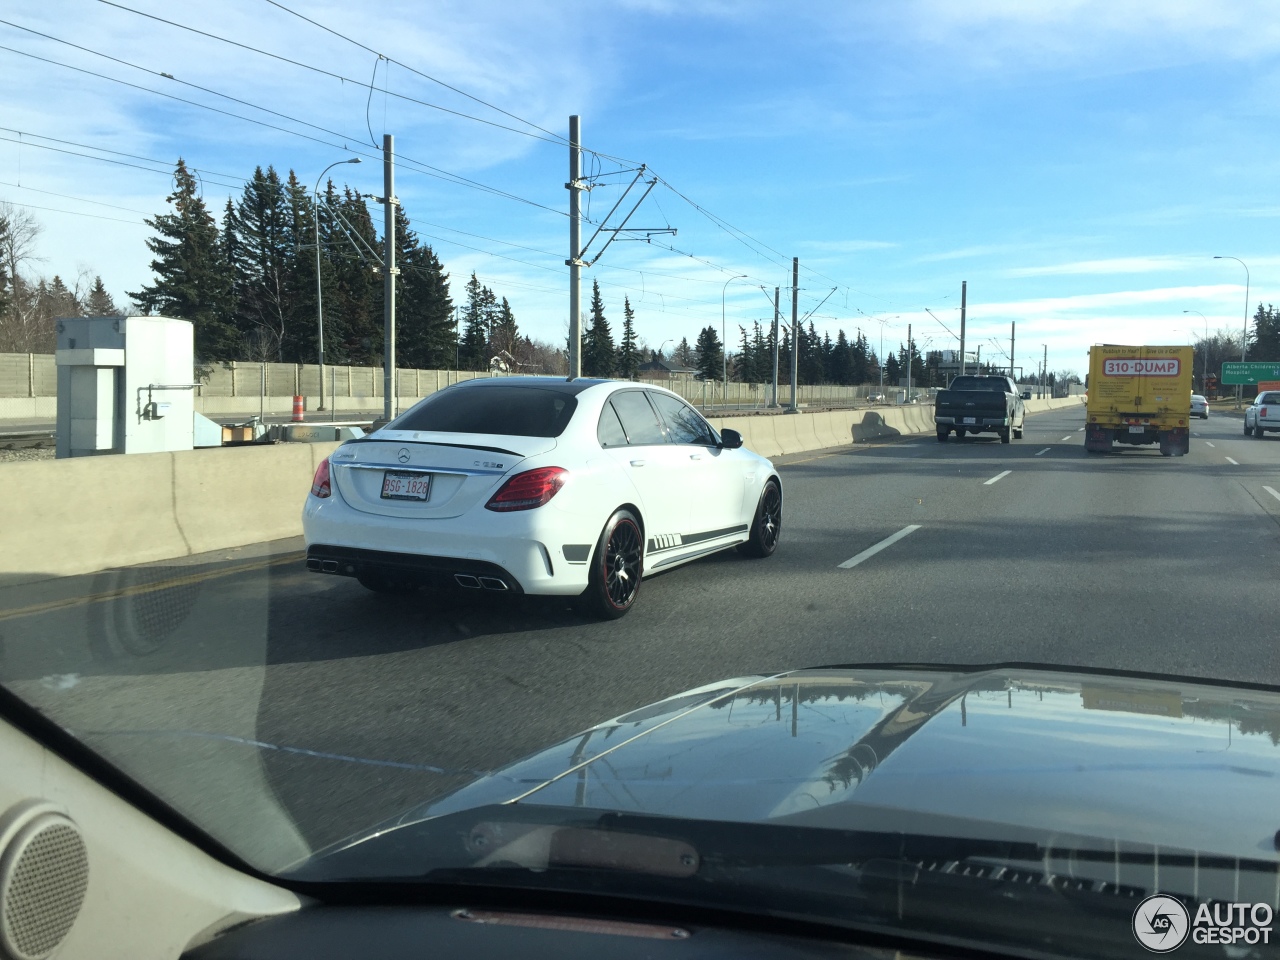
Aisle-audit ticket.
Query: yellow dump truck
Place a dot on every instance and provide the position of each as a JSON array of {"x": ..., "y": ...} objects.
[{"x": 1138, "y": 395}]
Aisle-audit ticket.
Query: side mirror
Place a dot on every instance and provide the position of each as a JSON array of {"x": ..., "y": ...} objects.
[
  {"x": 1026, "y": 394},
  {"x": 730, "y": 439}
]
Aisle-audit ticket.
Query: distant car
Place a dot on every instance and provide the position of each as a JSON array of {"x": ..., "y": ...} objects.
[
  {"x": 1199, "y": 407},
  {"x": 876, "y": 398},
  {"x": 539, "y": 485},
  {"x": 1262, "y": 415}
]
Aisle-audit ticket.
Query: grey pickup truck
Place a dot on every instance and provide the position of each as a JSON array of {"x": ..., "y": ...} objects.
[{"x": 980, "y": 405}]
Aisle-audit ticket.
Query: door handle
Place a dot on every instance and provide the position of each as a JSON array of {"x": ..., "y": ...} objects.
[{"x": 637, "y": 463}]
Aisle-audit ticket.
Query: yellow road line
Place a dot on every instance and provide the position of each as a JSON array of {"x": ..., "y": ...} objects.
[{"x": 142, "y": 588}]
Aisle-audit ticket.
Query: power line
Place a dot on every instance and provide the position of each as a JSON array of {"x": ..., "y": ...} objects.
[
  {"x": 116, "y": 153},
  {"x": 67, "y": 196},
  {"x": 557, "y": 138},
  {"x": 73, "y": 213},
  {"x": 337, "y": 76},
  {"x": 42, "y": 146},
  {"x": 422, "y": 168}
]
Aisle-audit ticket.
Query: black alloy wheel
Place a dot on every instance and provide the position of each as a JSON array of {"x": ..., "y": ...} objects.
[
  {"x": 616, "y": 568},
  {"x": 943, "y": 433},
  {"x": 766, "y": 527},
  {"x": 1004, "y": 435}
]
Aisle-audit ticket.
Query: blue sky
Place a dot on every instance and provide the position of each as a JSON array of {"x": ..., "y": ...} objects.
[{"x": 1078, "y": 163}]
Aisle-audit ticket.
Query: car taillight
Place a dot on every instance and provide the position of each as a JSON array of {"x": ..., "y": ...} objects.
[
  {"x": 1262, "y": 411},
  {"x": 320, "y": 482},
  {"x": 528, "y": 490}
]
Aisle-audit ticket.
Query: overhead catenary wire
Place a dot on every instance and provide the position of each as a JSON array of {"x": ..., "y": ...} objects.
[{"x": 411, "y": 163}]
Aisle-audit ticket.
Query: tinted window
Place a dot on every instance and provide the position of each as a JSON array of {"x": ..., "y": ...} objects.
[
  {"x": 1269, "y": 398},
  {"x": 638, "y": 418},
  {"x": 504, "y": 411},
  {"x": 610, "y": 432},
  {"x": 683, "y": 422},
  {"x": 994, "y": 384}
]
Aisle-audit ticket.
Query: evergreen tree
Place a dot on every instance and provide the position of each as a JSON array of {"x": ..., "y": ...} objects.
[
  {"x": 504, "y": 336},
  {"x": 192, "y": 280},
  {"x": 744, "y": 364},
  {"x": 861, "y": 361},
  {"x": 710, "y": 354},
  {"x": 842, "y": 360},
  {"x": 683, "y": 355},
  {"x": 1266, "y": 334},
  {"x": 628, "y": 355},
  {"x": 598, "y": 352},
  {"x": 475, "y": 339},
  {"x": 265, "y": 268},
  {"x": 424, "y": 312},
  {"x": 892, "y": 371},
  {"x": 56, "y": 300},
  {"x": 353, "y": 319},
  {"x": 762, "y": 350},
  {"x": 99, "y": 302}
]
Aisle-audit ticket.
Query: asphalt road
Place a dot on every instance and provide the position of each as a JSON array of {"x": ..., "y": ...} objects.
[{"x": 309, "y": 695}]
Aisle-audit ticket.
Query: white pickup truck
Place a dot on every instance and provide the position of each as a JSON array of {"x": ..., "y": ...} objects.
[{"x": 1263, "y": 414}]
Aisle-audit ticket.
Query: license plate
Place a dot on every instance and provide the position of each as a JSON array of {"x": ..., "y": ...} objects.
[
  {"x": 1137, "y": 429},
  {"x": 970, "y": 419},
  {"x": 401, "y": 485}
]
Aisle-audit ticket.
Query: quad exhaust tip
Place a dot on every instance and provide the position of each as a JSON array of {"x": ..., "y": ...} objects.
[{"x": 480, "y": 583}]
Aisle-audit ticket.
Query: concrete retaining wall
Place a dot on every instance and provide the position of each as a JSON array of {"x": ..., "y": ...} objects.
[{"x": 68, "y": 517}]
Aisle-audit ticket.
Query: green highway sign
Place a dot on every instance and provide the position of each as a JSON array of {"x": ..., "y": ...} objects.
[{"x": 1249, "y": 373}]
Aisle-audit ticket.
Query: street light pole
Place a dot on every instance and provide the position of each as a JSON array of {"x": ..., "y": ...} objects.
[
  {"x": 724, "y": 342},
  {"x": 1204, "y": 351},
  {"x": 1244, "y": 334},
  {"x": 315, "y": 202}
]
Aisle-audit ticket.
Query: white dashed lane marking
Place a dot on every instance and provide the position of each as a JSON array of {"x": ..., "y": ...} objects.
[
  {"x": 1041, "y": 453},
  {"x": 873, "y": 550},
  {"x": 998, "y": 476},
  {"x": 1229, "y": 460}
]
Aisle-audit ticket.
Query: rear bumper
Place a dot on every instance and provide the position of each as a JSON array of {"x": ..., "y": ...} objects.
[
  {"x": 980, "y": 423},
  {"x": 525, "y": 551}
]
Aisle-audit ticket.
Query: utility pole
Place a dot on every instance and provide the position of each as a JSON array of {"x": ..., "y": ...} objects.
[
  {"x": 389, "y": 273},
  {"x": 1013, "y": 329},
  {"x": 774, "y": 402},
  {"x": 978, "y": 360},
  {"x": 964, "y": 291},
  {"x": 574, "y": 186},
  {"x": 1044, "y": 371},
  {"x": 795, "y": 335}
]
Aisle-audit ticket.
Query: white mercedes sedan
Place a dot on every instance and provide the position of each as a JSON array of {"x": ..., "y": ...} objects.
[{"x": 539, "y": 485}]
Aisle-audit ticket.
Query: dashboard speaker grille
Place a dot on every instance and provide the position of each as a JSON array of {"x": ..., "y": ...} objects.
[{"x": 44, "y": 873}]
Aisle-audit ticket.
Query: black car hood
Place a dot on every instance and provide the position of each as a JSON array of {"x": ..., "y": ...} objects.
[{"x": 1006, "y": 751}]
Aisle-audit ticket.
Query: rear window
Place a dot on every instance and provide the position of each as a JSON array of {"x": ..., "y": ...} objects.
[
  {"x": 1269, "y": 398},
  {"x": 501, "y": 411},
  {"x": 993, "y": 384}
]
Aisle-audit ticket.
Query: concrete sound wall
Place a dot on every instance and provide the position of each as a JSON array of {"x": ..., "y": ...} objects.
[{"x": 68, "y": 517}]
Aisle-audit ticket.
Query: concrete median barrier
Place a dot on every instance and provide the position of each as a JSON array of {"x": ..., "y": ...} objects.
[{"x": 65, "y": 517}]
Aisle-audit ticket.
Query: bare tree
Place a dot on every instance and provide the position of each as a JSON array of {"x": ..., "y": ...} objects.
[{"x": 20, "y": 323}]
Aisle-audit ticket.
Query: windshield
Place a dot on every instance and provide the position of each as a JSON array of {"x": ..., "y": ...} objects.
[{"x": 379, "y": 468}]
